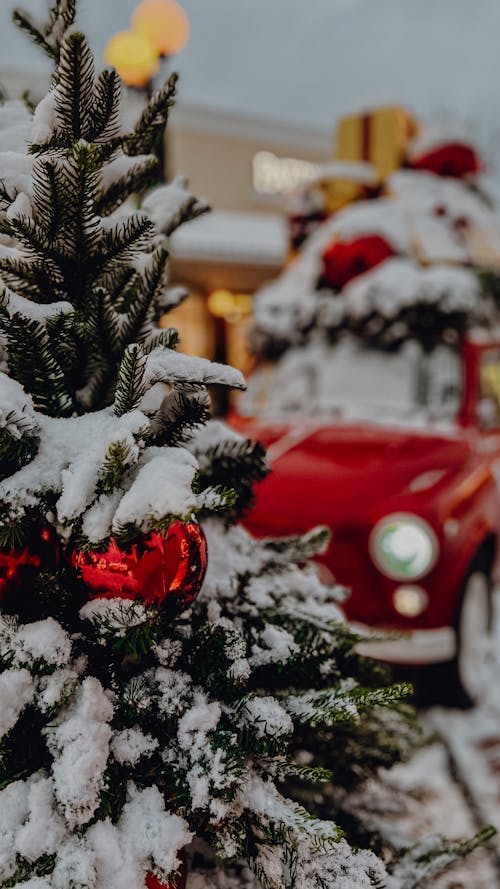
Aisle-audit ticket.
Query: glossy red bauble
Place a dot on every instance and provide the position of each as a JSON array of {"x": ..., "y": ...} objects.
[
  {"x": 17, "y": 566},
  {"x": 165, "y": 570},
  {"x": 180, "y": 881},
  {"x": 345, "y": 260},
  {"x": 455, "y": 159}
]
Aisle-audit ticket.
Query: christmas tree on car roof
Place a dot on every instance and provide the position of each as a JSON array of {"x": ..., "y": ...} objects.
[
  {"x": 408, "y": 257},
  {"x": 149, "y": 730}
]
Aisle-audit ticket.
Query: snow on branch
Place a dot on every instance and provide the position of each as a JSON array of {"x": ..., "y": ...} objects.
[{"x": 171, "y": 205}]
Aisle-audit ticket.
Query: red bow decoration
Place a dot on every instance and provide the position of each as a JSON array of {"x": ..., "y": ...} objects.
[
  {"x": 345, "y": 260},
  {"x": 456, "y": 160}
]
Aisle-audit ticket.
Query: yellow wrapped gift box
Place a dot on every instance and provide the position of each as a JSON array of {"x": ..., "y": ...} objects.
[{"x": 381, "y": 137}]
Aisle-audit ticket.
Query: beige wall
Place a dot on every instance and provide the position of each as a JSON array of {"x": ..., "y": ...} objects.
[{"x": 216, "y": 151}]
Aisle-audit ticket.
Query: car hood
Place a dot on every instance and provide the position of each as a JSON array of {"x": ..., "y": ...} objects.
[{"x": 350, "y": 474}]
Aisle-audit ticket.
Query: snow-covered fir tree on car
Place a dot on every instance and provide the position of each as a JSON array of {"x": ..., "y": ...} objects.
[
  {"x": 377, "y": 391},
  {"x": 400, "y": 266},
  {"x": 139, "y": 745}
]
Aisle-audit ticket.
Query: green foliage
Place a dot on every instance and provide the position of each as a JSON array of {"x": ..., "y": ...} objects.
[
  {"x": 238, "y": 464},
  {"x": 73, "y": 251},
  {"x": 18, "y": 443},
  {"x": 130, "y": 387},
  {"x": 187, "y": 410},
  {"x": 26, "y": 870}
]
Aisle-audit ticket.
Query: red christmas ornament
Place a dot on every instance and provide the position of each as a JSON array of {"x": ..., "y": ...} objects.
[
  {"x": 180, "y": 881},
  {"x": 455, "y": 159},
  {"x": 345, "y": 260},
  {"x": 162, "y": 569},
  {"x": 17, "y": 566}
]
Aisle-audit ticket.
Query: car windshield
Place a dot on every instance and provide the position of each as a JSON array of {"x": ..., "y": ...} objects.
[{"x": 352, "y": 379}]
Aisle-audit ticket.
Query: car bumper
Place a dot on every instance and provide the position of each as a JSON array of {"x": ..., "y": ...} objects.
[{"x": 416, "y": 647}]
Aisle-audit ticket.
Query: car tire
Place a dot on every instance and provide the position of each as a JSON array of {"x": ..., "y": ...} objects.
[{"x": 461, "y": 682}]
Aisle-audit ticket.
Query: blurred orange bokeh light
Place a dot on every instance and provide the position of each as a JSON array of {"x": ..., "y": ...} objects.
[{"x": 164, "y": 23}]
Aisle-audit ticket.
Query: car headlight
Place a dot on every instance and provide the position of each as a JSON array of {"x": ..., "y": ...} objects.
[{"x": 404, "y": 547}]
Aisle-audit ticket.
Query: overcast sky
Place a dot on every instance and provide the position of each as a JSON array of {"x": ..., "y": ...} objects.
[{"x": 311, "y": 60}]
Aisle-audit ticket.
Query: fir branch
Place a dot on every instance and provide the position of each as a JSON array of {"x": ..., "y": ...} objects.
[
  {"x": 35, "y": 33},
  {"x": 152, "y": 120},
  {"x": 48, "y": 36},
  {"x": 46, "y": 203},
  {"x": 237, "y": 464},
  {"x": 105, "y": 121},
  {"x": 18, "y": 443},
  {"x": 300, "y": 548},
  {"x": 116, "y": 461},
  {"x": 168, "y": 338},
  {"x": 136, "y": 180},
  {"x": 27, "y": 870},
  {"x": 127, "y": 235},
  {"x": 74, "y": 97},
  {"x": 217, "y": 500},
  {"x": 32, "y": 363},
  {"x": 306, "y": 774},
  {"x": 130, "y": 387},
  {"x": 181, "y": 416}
]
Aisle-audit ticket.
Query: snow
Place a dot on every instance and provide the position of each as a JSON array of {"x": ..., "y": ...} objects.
[
  {"x": 54, "y": 689},
  {"x": 399, "y": 283},
  {"x": 147, "y": 502},
  {"x": 194, "y": 726},
  {"x": 149, "y": 832},
  {"x": 167, "y": 366},
  {"x": 115, "y": 614},
  {"x": 16, "y": 171},
  {"x": 167, "y": 205},
  {"x": 276, "y": 645},
  {"x": 130, "y": 745},
  {"x": 79, "y": 742},
  {"x": 13, "y": 813},
  {"x": 43, "y": 640},
  {"x": 68, "y": 460},
  {"x": 17, "y": 690},
  {"x": 352, "y": 382},
  {"x": 32, "y": 311},
  {"x": 98, "y": 519},
  {"x": 72, "y": 451},
  {"x": 267, "y": 718},
  {"x": 175, "y": 690},
  {"x": 263, "y": 798},
  {"x": 44, "y": 122},
  {"x": 43, "y": 830},
  {"x": 17, "y": 415},
  {"x": 120, "y": 167},
  {"x": 21, "y": 206},
  {"x": 233, "y": 237}
]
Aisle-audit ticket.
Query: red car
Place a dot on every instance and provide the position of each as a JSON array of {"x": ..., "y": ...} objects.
[{"x": 405, "y": 470}]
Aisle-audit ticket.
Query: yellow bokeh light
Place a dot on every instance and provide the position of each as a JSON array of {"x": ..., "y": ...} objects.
[
  {"x": 164, "y": 23},
  {"x": 228, "y": 305},
  {"x": 134, "y": 57}
]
